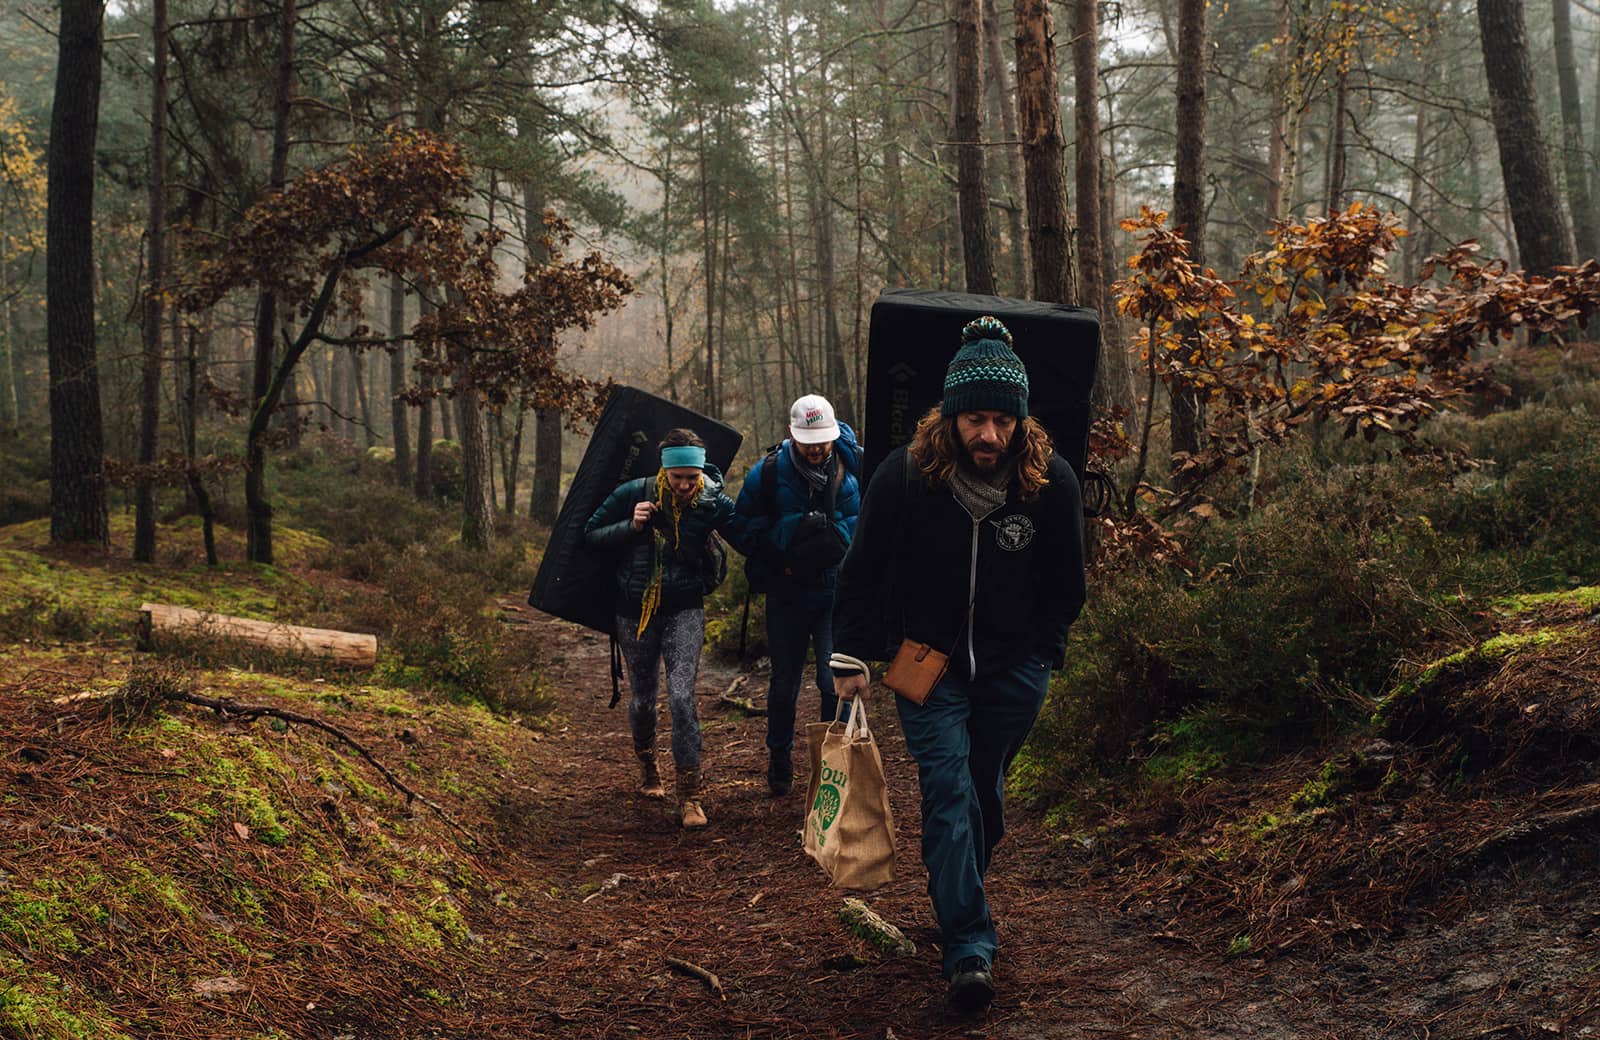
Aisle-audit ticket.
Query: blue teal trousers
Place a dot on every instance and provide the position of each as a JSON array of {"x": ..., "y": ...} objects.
[{"x": 964, "y": 738}]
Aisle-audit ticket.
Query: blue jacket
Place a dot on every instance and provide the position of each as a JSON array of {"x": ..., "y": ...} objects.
[{"x": 769, "y": 525}]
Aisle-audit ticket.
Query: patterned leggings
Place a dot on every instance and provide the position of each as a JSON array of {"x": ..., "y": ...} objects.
[{"x": 675, "y": 639}]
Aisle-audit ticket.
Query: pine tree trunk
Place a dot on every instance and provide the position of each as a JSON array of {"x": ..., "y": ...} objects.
[
  {"x": 972, "y": 180},
  {"x": 1188, "y": 210},
  {"x": 1415, "y": 245},
  {"x": 1043, "y": 153},
  {"x": 424, "y": 456},
  {"x": 144, "y": 522},
  {"x": 77, "y": 475},
  {"x": 1086, "y": 137},
  {"x": 1338, "y": 151},
  {"x": 512, "y": 453},
  {"x": 1003, "y": 100},
  {"x": 1575, "y": 160},
  {"x": 358, "y": 379},
  {"x": 546, "y": 501},
  {"x": 888, "y": 113},
  {"x": 258, "y": 511},
  {"x": 1530, "y": 184},
  {"x": 477, "y": 498},
  {"x": 1277, "y": 86},
  {"x": 191, "y": 446},
  {"x": 399, "y": 421}
]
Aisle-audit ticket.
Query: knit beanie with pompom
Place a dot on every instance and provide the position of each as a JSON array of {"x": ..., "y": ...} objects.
[{"x": 985, "y": 374}]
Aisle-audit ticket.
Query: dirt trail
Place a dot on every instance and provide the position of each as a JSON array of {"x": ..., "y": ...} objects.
[{"x": 612, "y": 888}]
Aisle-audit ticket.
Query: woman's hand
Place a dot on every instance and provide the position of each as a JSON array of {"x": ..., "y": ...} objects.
[{"x": 642, "y": 513}]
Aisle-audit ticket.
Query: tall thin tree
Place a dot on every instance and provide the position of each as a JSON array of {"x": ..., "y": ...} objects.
[
  {"x": 77, "y": 468},
  {"x": 1576, "y": 162},
  {"x": 1188, "y": 201},
  {"x": 144, "y": 522},
  {"x": 1044, "y": 152},
  {"x": 258, "y": 511},
  {"x": 1530, "y": 183},
  {"x": 972, "y": 182}
]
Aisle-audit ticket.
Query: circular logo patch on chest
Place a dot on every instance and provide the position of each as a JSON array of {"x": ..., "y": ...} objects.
[{"x": 1013, "y": 532}]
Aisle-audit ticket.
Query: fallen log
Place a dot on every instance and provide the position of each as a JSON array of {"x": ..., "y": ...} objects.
[{"x": 353, "y": 649}]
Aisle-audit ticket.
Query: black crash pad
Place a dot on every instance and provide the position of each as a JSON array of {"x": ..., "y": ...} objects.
[
  {"x": 915, "y": 333},
  {"x": 573, "y": 582}
]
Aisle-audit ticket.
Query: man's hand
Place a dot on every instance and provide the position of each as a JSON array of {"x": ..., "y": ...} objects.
[
  {"x": 849, "y": 687},
  {"x": 641, "y": 514}
]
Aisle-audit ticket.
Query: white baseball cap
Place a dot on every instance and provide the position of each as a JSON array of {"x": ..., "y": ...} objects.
[{"x": 811, "y": 420}]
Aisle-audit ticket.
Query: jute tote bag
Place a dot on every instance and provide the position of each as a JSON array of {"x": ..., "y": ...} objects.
[{"x": 849, "y": 830}]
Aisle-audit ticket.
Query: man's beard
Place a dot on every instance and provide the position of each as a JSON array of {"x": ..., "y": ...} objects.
[{"x": 987, "y": 464}]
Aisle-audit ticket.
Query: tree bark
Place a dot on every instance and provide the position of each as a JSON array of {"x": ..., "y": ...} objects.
[
  {"x": 191, "y": 446},
  {"x": 1004, "y": 101},
  {"x": 1338, "y": 149},
  {"x": 972, "y": 181},
  {"x": 77, "y": 469},
  {"x": 1277, "y": 88},
  {"x": 358, "y": 379},
  {"x": 511, "y": 457},
  {"x": 144, "y": 522},
  {"x": 258, "y": 511},
  {"x": 894, "y": 208},
  {"x": 424, "y": 458},
  {"x": 477, "y": 495},
  {"x": 1575, "y": 160},
  {"x": 1530, "y": 184},
  {"x": 399, "y": 415},
  {"x": 1043, "y": 153},
  {"x": 1415, "y": 245},
  {"x": 544, "y": 496},
  {"x": 708, "y": 259},
  {"x": 1086, "y": 152},
  {"x": 1188, "y": 209},
  {"x": 546, "y": 501}
]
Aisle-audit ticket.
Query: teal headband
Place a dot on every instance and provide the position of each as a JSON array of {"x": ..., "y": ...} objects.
[{"x": 683, "y": 456}]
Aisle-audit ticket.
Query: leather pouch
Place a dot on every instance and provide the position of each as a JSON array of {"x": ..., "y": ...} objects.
[{"x": 915, "y": 670}]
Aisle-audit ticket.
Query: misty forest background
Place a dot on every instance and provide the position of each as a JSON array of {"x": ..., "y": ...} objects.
[{"x": 240, "y": 239}]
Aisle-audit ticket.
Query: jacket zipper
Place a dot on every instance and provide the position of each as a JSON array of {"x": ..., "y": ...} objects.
[{"x": 972, "y": 599}]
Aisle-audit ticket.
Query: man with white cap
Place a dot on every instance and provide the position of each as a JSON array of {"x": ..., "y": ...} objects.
[{"x": 799, "y": 506}]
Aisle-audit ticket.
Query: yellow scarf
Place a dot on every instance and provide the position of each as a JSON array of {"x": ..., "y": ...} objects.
[{"x": 668, "y": 503}]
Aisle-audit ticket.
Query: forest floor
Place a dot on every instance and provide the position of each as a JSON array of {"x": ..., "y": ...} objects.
[{"x": 577, "y": 894}]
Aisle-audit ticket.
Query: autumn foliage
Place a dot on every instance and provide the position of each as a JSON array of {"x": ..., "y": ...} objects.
[
  {"x": 1326, "y": 335},
  {"x": 400, "y": 207}
]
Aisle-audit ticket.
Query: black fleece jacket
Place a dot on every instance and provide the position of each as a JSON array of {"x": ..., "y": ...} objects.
[{"x": 918, "y": 557}]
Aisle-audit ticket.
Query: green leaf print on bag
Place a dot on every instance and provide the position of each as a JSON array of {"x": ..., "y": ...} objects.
[{"x": 827, "y": 807}]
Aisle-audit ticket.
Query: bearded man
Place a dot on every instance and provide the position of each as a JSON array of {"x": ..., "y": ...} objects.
[{"x": 970, "y": 540}]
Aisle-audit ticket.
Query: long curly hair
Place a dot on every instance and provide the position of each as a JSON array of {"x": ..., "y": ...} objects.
[{"x": 936, "y": 449}]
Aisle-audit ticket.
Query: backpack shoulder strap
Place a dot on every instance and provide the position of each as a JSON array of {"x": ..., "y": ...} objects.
[{"x": 769, "y": 479}]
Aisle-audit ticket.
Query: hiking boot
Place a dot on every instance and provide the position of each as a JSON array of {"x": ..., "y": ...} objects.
[
  {"x": 691, "y": 816},
  {"x": 649, "y": 776},
  {"x": 971, "y": 987},
  {"x": 780, "y": 773},
  {"x": 690, "y": 813}
]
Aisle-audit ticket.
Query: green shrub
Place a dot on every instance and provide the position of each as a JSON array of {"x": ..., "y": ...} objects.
[
  {"x": 1292, "y": 626},
  {"x": 1533, "y": 498}
]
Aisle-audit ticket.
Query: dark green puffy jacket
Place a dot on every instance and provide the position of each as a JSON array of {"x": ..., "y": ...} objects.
[{"x": 610, "y": 529}]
